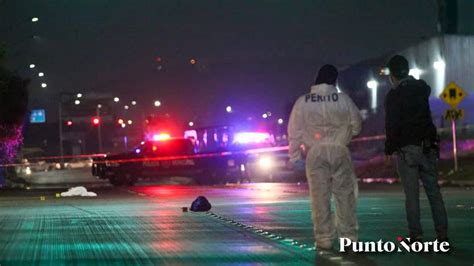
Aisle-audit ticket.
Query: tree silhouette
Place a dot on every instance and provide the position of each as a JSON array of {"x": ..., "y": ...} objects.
[{"x": 13, "y": 110}]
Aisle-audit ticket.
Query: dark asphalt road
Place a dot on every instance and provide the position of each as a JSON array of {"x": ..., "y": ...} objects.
[{"x": 249, "y": 224}]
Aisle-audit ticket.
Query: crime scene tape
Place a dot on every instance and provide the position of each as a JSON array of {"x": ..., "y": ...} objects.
[
  {"x": 167, "y": 158},
  {"x": 68, "y": 156},
  {"x": 251, "y": 151}
]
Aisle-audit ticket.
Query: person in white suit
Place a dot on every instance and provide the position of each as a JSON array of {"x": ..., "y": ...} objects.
[{"x": 321, "y": 125}]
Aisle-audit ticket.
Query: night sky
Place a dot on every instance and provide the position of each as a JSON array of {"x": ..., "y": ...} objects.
[{"x": 254, "y": 55}]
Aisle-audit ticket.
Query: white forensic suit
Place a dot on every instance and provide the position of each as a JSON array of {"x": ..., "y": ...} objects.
[{"x": 323, "y": 122}]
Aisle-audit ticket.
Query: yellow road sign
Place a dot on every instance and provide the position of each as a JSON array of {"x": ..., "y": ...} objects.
[
  {"x": 453, "y": 94},
  {"x": 453, "y": 114}
]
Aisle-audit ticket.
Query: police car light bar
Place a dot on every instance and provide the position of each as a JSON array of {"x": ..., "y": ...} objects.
[
  {"x": 251, "y": 137},
  {"x": 161, "y": 137},
  {"x": 190, "y": 134}
]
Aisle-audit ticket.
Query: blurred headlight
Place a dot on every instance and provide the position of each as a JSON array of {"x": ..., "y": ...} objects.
[
  {"x": 28, "y": 171},
  {"x": 265, "y": 162}
]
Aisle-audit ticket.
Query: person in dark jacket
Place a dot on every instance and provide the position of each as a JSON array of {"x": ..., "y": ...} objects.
[{"x": 412, "y": 136}]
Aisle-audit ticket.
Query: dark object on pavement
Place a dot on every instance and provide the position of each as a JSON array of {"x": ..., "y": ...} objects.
[{"x": 200, "y": 204}]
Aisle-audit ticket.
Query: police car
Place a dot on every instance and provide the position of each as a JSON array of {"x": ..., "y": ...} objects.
[
  {"x": 164, "y": 156},
  {"x": 260, "y": 158}
]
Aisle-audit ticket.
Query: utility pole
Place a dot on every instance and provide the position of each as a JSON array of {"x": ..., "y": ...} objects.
[
  {"x": 60, "y": 121},
  {"x": 99, "y": 131}
]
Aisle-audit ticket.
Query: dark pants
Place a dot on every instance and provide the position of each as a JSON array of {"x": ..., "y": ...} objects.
[{"x": 413, "y": 165}]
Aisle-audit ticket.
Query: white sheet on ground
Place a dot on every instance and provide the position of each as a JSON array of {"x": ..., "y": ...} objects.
[{"x": 78, "y": 191}]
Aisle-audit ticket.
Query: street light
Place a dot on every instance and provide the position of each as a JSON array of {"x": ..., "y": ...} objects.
[
  {"x": 44, "y": 85},
  {"x": 228, "y": 109},
  {"x": 134, "y": 103},
  {"x": 415, "y": 72},
  {"x": 116, "y": 99},
  {"x": 99, "y": 106},
  {"x": 129, "y": 122},
  {"x": 191, "y": 123},
  {"x": 157, "y": 103},
  {"x": 77, "y": 102},
  {"x": 79, "y": 95},
  {"x": 439, "y": 65},
  {"x": 34, "y": 19},
  {"x": 41, "y": 74},
  {"x": 32, "y": 66},
  {"x": 280, "y": 121},
  {"x": 265, "y": 116},
  {"x": 372, "y": 85},
  {"x": 440, "y": 75},
  {"x": 126, "y": 107}
]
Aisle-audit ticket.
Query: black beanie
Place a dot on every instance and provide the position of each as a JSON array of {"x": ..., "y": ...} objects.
[
  {"x": 398, "y": 66},
  {"x": 327, "y": 74}
]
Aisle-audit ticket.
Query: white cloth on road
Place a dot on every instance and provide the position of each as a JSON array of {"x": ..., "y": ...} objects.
[
  {"x": 324, "y": 122},
  {"x": 78, "y": 191}
]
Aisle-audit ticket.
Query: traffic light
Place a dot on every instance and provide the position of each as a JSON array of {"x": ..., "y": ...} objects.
[{"x": 95, "y": 121}]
